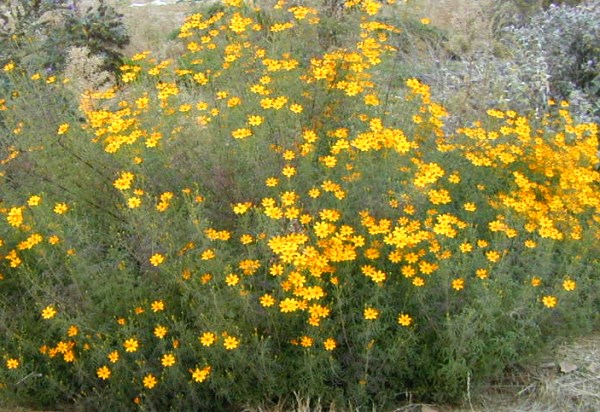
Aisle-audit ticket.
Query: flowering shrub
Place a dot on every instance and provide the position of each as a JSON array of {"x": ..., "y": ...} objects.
[{"x": 262, "y": 217}]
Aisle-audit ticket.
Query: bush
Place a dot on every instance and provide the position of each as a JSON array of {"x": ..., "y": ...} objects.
[
  {"x": 563, "y": 42},
  {"x": 265, "y": 218},
  {"x": 547, "y": 57},
  {"x": 39, "y": 33}
]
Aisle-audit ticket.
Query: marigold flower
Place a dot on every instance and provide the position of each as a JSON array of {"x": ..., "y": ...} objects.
[
  {"x": 470, "y": 207},
  {"x": 63, "y": 128},
  {"x": 549, "y": 301},
  {"x": 466, "y": 247},
  {"x": 288, "y": 171},
  {"x": 34, "y": 200},
  {"x": 49, "y": 312},
  {"x": 167, "y": 360},
  {"x": 15, "y": 216},
  {"x": 134, "y": 202},
  {"x": 150, "y": 381},
  {"x": 103, "y": 372},
  {"x": 418, "y": 281},
  {"x": 157, "y": 306},
  {"x": 458, "y": 284},
  {"x": 370, "y": 313},
  {"x": 232, "y": 279},
  {"x": 569, "y": 285},
  {"x": 231, "y": 342},
  {"x": 208, "y": 339},
  {"x": 131, "y": 345},
  {"x": 267, "y": 300},
  {"x": 156, "y": 259},
  {"x": 306, "y": 341},
  {"x": 113, "y": 357},
  {"x": 482, "y": 273},
  {"x": 241, "y": 208},
  {"x": 255, "y": 120},
  {"x": 12, "y": 363},
  {"x": 160, "y": 331},
  {"x": 404, "y": 319},
  {"x": 329, "y": 344},
  {"x": 72, "y": 331},
  {"x": 200, "y": 375},
  {"x": 60, "y": 208}
]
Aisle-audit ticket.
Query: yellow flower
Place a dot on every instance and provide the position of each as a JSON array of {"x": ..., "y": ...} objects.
[
  {"x": 150, "y": 381},
  {"x": 208, "y": 339},
  {"x": 157, "y": 306},
  {"x": 536, "y": 281},
  {"x": 329, "y": 344},
  {"x": 241, "y": 208},
  {"x": 167, "y": 360},
  {"x": 12, "y": 363},
  {"x": 15, "y": 216},
  {"x": 49, "y": 312},
  {"x": 131, "y": 345},
  {"x": 200, "y": 375},
  {"x": 458, "y": 284},
  {"x": 241, "y": 133},
  {"x": 404, "y": 319},
  {"x": 569, "y": 285},
  {"x": 549, "y": 301},
  {"x": 156, "y": 259},
  {"x": 482, "y": 273},
  {"x": 246, "y": 239},
  {"x": 34, "y": 200},
  {"x": 208, "y": 254},
  {"x": 492, "y": 256},
  {"x": 466, "y": 247},
  {"x": 255, "y": 120},
  {"x": 232, "y": 279},
  {"x": 470, "y": 207},
  {"x": 267, "y": 300},
  {"x": 288, "y": 305},
  {"x": 60, "y": 208},
  {"x": 63, "y": 128},
  {"x": 8, "y": 67},
  {"x": 418, "y": 281},
  {"x": 113, "y": 357},
  {"x": 296, "y": 108},
  {"x": 103, "y": 372},
  {"x": 134, "y": 202},
  {"x": 72, "y": 331},
  {"x": 371, "y": 313},
  {"x": 288, "y": 171},
  {"x": 306, "y": 341},
  {"x": 231, "y": 342},
  {"x": 272, "y": 182},
  {"x": 160, "y": 331},
  {"x": 124, "y": 181},
  {"x": 425, "y": 21}
]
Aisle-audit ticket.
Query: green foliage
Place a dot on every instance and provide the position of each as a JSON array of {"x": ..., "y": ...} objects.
[
  {"x": 39, "y": 33},
  {"x": 564, "y": 42}
]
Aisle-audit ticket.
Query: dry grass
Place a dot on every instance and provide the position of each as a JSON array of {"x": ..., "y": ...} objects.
[
  {"x": 568, "y": 380},
  {"x": 150, "y": 26}
]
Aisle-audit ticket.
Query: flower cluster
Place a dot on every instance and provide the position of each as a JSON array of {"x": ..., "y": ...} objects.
[{"x": 297, "y": 220}]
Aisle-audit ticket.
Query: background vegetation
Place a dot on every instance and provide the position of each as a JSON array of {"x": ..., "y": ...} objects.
[{"x": 389, "y": 211}]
